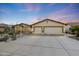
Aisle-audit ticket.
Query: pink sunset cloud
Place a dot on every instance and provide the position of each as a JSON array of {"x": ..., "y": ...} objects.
[
  {"x": 62, "y": 11},
  {"x": 72, "y": 21},
  {"x": 5, "y": 10},
  {"x": 61, "y": 15},
  {"x": 30, "y": 7}
]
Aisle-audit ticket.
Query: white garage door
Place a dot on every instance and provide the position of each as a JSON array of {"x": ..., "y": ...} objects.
[
  {"x": 37, "y": 30},
  {"x": 53, "y": 30}
]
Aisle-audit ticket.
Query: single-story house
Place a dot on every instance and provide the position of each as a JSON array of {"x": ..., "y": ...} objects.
[
  {"x": 22, "y": 28},
  {"x": 48, "y": 27}
]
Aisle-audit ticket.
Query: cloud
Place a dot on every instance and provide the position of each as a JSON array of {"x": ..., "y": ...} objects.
[
  {"x": 30, "y": 7},
  {"x": 61, "y": 18},
  {"x": 63, "y": 15},
  {"x": 5, "y": 11},
  {"x": 51, "y": 4}
]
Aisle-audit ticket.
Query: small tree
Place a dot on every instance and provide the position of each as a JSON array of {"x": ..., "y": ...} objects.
[
  {"x": 7, "y": 30},
  {"x": 75, "y": 29}
]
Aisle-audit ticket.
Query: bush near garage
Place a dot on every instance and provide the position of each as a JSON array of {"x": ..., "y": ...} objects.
[
  {"x": 8, "y": 33},
  {"x": 75, "y": 30},
  {"x": 3, "y": 35}
]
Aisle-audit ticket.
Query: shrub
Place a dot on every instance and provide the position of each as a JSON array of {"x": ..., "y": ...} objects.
[{"x": 75, "y": 30}]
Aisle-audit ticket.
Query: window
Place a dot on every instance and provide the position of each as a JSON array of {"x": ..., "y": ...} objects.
[{"x": 43, "y": 29}]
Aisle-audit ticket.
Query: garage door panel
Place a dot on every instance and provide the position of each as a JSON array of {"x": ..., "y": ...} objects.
[
  {"x": 37, "y": 30},
  {"x": 53, "y": 30}
]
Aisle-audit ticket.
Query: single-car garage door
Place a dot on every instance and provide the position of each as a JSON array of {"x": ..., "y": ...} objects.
[
  {"x": 53, "y": 30},
  {"x": 37, "y": 30}
]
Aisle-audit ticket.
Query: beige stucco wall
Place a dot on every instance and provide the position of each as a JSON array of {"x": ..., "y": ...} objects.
[
  {"x": 49, "y": 23},
  {"x": 22, "y": 29},
  {"x": 2, "y": 29},
  {"x": 18, "y": 28},
  {"x": 26, "y": 29}
]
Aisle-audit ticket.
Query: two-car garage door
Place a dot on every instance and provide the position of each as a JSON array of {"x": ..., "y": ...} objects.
[
  {"x": 53, "y": 30},
  {"x": 48, "y": 30}
]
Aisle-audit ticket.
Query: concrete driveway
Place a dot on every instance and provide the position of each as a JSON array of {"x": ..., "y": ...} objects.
[{"x": 40, "y": 46}]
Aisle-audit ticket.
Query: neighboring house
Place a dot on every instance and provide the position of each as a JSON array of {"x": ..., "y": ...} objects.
[
  {"x": 73, "y": 23},
  {"x": 70, "y": 26},
  {"x": 48, "y": 27},
  {"x": 2, "y": 27},
  {"x": 67, "y": 29},
  {"x": 22, "y": 28},
  {"x": 17, "y": 28}
]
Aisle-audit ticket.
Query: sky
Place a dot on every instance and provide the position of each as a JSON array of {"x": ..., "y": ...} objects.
[{"x": 13, "y": 13}]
